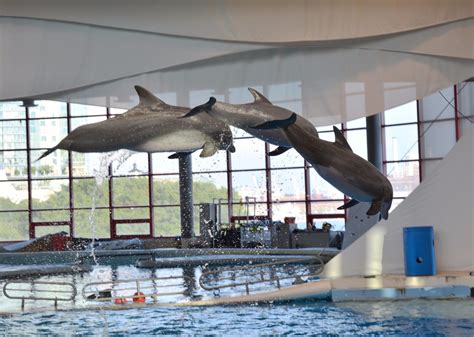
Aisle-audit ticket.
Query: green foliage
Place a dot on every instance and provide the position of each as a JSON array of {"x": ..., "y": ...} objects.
[{"x": 131, "y": 192}]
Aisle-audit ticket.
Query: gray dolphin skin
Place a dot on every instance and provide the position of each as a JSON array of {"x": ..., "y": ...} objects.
[
  {"x": 151, "y": 126},
  {"x": 337, "y": 164},
  {"x": 249, "y": 115}
]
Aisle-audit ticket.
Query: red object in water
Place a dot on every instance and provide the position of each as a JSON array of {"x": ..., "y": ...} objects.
[
  {"x": 58, "y": 242},
  {"x": 139, "y": 297},
  {"x": 120, "y": 300}
]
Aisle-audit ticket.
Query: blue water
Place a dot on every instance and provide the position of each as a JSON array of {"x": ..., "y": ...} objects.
[{"x": 398, "y": 318}]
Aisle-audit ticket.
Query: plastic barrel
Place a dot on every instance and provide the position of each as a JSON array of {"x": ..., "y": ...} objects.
[{"x": 418, "y": 244}]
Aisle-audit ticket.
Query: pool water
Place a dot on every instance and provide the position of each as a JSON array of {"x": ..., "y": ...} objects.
[
  {"x": 414, "y": 317},
  {"x": 407, "y": 317}
]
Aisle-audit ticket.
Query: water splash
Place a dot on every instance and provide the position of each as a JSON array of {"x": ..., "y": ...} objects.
[{"x": 101, "y": 174}]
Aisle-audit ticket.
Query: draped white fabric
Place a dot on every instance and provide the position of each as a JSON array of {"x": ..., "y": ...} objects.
[
  {"x": 250, "y": 20},
  {"x": 351, "y": 60},
  {"x": 380, "y": 250}
]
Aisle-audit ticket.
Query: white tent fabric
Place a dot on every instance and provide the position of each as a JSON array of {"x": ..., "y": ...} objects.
[
  {"x": 348, "y": 60},
  {"x": 445, "y": 200},
  {"x": 250, "y": 20}
]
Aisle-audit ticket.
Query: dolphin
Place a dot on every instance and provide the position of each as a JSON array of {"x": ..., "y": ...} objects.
[
  {"x": 337, "y": 164},
  {"x": 247, "y": 116},
  {"x": 151, "y": 126}
]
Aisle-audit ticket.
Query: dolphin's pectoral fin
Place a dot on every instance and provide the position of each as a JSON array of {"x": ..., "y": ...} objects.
[
  {"x": 279, "y": 150},
  {"x": 276, "y": 124},
  {"x": 206, "y": 107},
  {"x": 375, "y": 207},
  {"x": 208, "y": 150},
  {"x": 231, "y": 148},
  {"x": 340, "y": 139},
  {"x": 349, "y": 204},
  {"x": 178, "y": 155}
]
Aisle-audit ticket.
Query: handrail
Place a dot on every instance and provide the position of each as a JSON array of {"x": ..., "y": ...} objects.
[
  {"x": 141, "y": 285},
  {"x": 34, "y": 287},
  {"x": 262, "y": 279}
]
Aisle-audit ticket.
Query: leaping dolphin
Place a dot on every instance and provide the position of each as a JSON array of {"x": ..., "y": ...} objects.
[
  {"x": 151, "y": 126},
  {"x": 247, "y": 116},
  {"x": 342, "y": 168}
]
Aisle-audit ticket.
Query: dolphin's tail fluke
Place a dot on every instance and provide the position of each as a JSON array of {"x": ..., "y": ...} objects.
[
  {"x": 206, "y": 107},
  {"x": 282, "y": 123},
  {"x": 46, "y": 153}
]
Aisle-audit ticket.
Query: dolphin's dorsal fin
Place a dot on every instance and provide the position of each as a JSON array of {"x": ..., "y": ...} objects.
[
  {"x": 258, "y": 97},
  {"x": 340, "y": 139},
  {"x": 147, "y": 98}
]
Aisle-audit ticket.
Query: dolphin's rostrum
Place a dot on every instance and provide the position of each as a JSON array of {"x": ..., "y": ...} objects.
[
  {"x": 151, "y": 126},
  {"x": 249, "y": 115}
]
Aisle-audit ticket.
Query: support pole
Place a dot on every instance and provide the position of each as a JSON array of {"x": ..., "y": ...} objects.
[
  {"x": 374, "y": 141},
  {"x": 186, "y": 196}
]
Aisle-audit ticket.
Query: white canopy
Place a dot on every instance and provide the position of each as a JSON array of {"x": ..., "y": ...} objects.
[{"x": 345, "y": 60}]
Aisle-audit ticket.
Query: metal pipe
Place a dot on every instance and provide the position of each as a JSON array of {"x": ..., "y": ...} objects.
[
  {"x": 186, "y": 196},
  {"x": 374, "y": 141}
]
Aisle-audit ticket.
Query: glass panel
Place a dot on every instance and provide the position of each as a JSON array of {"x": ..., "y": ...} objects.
[
  {"x": 166, "y": 190},
  {"x": 436, "y": 107},
  {"x": 48, "y": 109},
  {"x": 12, "y": 165},
  {"x": 336, "y": 223},
  {"x": 89, "y": 225},
  {"x": 161, "y": 163},
  {"x": 86, "y": 190},
  {"x": 54, "y": 165},
  {"x": 290, "y": 158},
  {"x": 131, "y": 213},
  {"x": 404, "y": 177},
  {"x": 405, "y": 113},
  {"x": 117, "y": 111},
  {"x": 328, "y": 135},
  {"x": 13, "y": 195},
  {"x": 11, "y": 110},
  {"x": 14, "y": 226},
  {"x": 401, "y": 142},
  {"x": 280, "y": 210},
  {"x": 288, "y": 185},
  {"x": 438, "y": 139},
  {"x": 78, "y": 121},
  {"x": 12, "y": 135},
  {"x": 329, "y": 129},
  {"x": 47, "y": 133},
  {"x": 136, "y": 164},
  {"x": 357, "y": 139},
  {"x": 130, "y": 191},
  {"x": 327, "y": 207},
  {"x": 357, "y": 123},
  {"x": 167, "y": 221},
  {"x": 427, "y": 167},
  {"x": 133, "y": 228},
  {"x": 321, "y": 189},
  {"x": 50, "y": 216},
  {"x": 217, "y": 162},
  {"x": 241, "y": 209},
  {"x": 49, "y": 194},
  {"x": 45, "y": 230},
  {"x": 249, "y": 154},
  {"x": 87, "y": 110},
  {"x": 284, "y": 91},
  {"x": 249, "y": 184},
  {"x": 198, "y": 97},
  {"x": 206, "y": 188}
]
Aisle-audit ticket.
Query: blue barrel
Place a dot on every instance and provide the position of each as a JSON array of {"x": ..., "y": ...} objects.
[{"x": 418, "y": 244}]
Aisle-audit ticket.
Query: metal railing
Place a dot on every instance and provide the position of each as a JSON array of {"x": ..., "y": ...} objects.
[
  {"x": 39, "y": 291},
  {"x": 259, "y": 275},
  {"x": 136, "y": 288}
]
